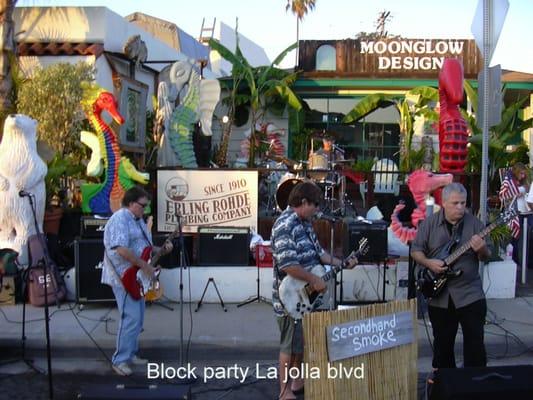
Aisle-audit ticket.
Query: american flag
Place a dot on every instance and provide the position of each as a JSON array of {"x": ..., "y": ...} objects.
[{"x": 508, "y": 191}]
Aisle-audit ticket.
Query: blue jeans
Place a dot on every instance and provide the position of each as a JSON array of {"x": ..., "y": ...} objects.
[{"x": 129, "y": 327}]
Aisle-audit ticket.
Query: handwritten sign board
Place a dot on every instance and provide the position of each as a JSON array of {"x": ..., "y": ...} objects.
[
  {"x": 364, "y": 336},
  {"x": 206, "y": 198}
]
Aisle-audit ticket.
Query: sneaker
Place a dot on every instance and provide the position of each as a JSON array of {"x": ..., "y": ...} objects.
[
  {"x": 138, "y": 361},
  {"x": 122, "y": 369}
]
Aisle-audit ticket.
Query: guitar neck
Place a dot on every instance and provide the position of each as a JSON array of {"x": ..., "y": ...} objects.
[
  {"x": 331, "y": 273},
  {"x": 465, "y": 247},
  {"x": 155, "y": 257}
]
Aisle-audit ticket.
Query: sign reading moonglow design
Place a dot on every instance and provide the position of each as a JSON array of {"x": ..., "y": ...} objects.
[
  {"x": 205, "y": 198},
  {"x": 407, "y": 54},
  {"x": 354, "y": 338}
]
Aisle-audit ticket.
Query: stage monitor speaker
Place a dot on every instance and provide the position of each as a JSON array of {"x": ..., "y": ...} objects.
[
  {"x": 133, "y": 392},
  {"x": 88, "y": 253},
  {"x": 172, "y": 260},
  {"x": 376, "y": 233},
  {"x": 223, "y": 245},
  {"x": 489, "y": 383}
]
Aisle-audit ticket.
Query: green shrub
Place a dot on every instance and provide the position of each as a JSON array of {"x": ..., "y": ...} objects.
[{"x": 52, "y": 96}]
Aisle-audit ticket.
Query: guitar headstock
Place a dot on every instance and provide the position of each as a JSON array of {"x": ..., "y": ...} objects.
[{"x": 363, "y": 247}]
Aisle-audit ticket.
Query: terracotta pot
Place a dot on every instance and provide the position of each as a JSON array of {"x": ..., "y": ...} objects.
[{"x": 52, "y": 220}]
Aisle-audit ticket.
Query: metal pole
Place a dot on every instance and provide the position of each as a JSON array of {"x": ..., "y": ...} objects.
[
  {"x": 487, "y": 9},
  {"x": 525, "y": 246}
]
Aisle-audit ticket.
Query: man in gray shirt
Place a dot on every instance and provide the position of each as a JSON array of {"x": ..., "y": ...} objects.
[{"x": 462, "y": 301}]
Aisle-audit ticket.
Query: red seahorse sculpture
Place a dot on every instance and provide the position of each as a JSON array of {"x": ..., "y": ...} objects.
[
  {"x": 421, "y": 183},
  {"x": 453, "y": 132}
]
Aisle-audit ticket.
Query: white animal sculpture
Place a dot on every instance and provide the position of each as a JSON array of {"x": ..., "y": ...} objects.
[
  {"x": 21, "y": 168},
  {"x": 199, "y": 98}
]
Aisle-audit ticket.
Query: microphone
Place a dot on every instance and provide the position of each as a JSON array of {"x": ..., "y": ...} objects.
[
  {"x": 321, "y": 215},
  {"x": 23, "y": 193}
]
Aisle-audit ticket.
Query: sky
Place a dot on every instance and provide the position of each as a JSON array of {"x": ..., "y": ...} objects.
[{"x": 268, "y": 24}]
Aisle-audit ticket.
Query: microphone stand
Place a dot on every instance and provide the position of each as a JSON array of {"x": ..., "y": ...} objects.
[
  {"x": 44, "y": 262},
  {"x": 181, "y": 266}
]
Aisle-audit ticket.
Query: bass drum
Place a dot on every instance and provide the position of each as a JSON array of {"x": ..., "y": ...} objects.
[{"x": 286, "y": 184}]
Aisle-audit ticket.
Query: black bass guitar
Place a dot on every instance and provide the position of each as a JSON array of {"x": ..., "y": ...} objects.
[{"x": 430, "y": 284}]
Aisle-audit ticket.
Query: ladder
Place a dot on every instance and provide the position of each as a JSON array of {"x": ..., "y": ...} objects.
[{"x": 206, "y": 33}]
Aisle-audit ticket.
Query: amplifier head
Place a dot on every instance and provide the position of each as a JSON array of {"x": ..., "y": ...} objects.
[
  {"x": 375, "y": 232},
  {"x": 92, "y": 227}
]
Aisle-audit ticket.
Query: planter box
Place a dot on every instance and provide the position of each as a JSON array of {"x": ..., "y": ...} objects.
[{"x": 499, "y": 279}]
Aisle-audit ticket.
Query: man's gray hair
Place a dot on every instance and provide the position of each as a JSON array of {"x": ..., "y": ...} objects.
[{"x": 454, "y": 187}]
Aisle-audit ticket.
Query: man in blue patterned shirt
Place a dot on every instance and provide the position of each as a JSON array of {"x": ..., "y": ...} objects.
[
  {"x": 125, "y": 237},
  {"x": 296, "y": 250}
]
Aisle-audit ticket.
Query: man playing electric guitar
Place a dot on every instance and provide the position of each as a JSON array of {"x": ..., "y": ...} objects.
[
  {"x": 296, "y": 250},
  {"x": 462, "y": 300},
  {"x": 125, "y": 237}
]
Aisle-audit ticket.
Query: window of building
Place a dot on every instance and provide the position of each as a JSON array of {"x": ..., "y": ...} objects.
[{"x": 326, "y": 58}]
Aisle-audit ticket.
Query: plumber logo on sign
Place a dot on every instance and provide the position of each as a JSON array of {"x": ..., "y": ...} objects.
[{"x": 177, "y": 189}]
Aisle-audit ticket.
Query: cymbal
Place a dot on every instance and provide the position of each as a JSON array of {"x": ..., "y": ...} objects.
[{"x": 282, "y": 159}]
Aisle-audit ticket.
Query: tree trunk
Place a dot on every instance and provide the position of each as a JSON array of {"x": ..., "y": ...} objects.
[
  {"x": 7, "y": 47},
  {"x": 221, "y": 158}
]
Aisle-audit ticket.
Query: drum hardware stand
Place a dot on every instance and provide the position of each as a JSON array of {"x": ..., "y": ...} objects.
[{"x": 211, "y": 280}]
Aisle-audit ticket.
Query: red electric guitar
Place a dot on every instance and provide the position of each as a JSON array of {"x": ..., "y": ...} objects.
[{"x": 135, "y": 281}]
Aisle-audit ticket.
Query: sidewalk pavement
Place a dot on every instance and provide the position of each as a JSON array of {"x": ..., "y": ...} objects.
[{"x": 83, "y": 340}]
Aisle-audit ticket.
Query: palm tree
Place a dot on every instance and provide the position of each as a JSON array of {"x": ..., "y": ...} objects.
[
  {"x": 507, "y": 133},
  {"x": 7, "y": 43},
  {"x": 265, "y": 87},
  {"x": 299, "y": 8},
  {"x": 415, "y": 102}
]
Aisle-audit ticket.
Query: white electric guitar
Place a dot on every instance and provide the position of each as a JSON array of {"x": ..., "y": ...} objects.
[{"x": 299, "y": 298}]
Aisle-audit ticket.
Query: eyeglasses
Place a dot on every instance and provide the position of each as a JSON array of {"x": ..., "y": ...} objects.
[{"x": 143, "y": 205}]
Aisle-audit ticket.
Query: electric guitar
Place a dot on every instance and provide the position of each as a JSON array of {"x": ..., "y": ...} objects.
[
  {"x": 299, "y": 298},
  {"x": 137, "y": 283},
  {"x": 430, "y": 284}
]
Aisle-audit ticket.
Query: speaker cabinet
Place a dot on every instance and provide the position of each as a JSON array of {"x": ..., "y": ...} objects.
[
  {"x": 223, "y": 246},
  {"x": 131, "y": 392},
  {"x": 172, "y": 259},
  {"x": 489, "y": 383},
  {"x": 88, "y": 253},
  {"x": 375, "y": 232}
]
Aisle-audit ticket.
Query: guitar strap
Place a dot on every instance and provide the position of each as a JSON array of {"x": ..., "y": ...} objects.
[
  {"x": 457, "y": 233},
  {"x": 144, "y": 234}
]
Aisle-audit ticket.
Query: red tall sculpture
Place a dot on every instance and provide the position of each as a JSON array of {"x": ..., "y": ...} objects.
[{"x": 453, "y": 134}]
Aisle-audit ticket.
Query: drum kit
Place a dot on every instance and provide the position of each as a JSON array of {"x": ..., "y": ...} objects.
[{"x": 322, "y": 168}]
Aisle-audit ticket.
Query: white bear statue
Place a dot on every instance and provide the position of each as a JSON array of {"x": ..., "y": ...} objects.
[{"x": 21, "y": 169}]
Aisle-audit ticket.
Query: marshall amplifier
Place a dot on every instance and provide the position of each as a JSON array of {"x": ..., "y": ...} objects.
[
  {"x": 88, "y": 254},
  {"x": 376, "y": 233},
  {"x": 223, "y": 246},
  {"x": 92, "y": 227}
]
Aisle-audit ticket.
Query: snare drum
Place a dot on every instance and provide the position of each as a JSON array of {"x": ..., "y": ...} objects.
[
  {"x": 318, "y": 167},
  {"x": 286, "y": 184}
]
